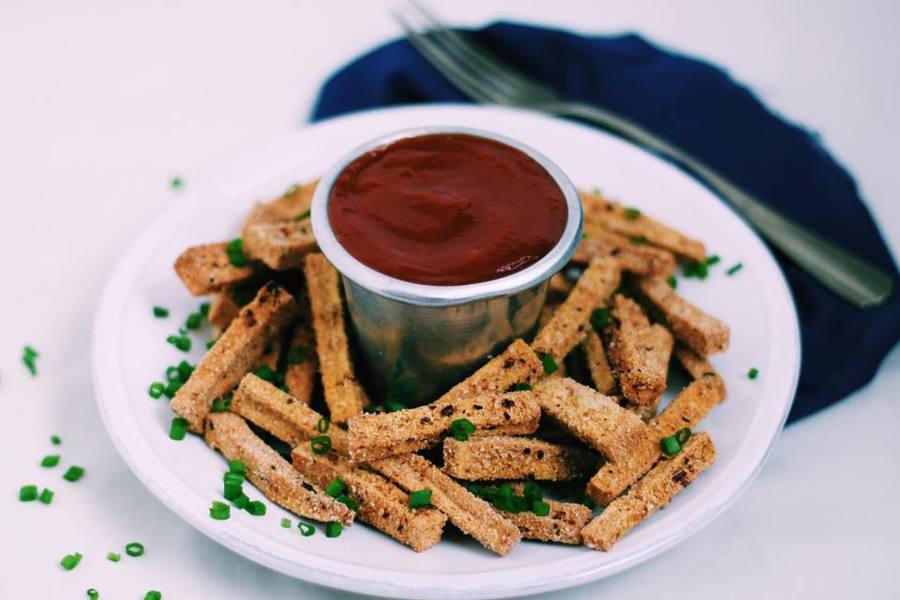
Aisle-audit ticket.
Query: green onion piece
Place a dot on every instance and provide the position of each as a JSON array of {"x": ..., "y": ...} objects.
[
  {"x": 173, "y": 374},
  {"x": 631, "y": 214},
  {"x": 179, "y": 428},
  {"x": 420, "y": 499},
  {"x": 242, "y": 501},
  {"x": 394, "y": 405},
  {"x": 347, "y": 501},
  {"x": 73, "y": 473},
  {"x": 333, "y": 529},
  {"x": 599, "y": 319},
  {"x": 695, "y": 269},
  {"x": 55, "y": 440},
  {"x": 204, "y": 309},
  {"x": 549, "y": 364},
  {"x": 70, "y": 561},
  {"x": 256, "y": 508},
  {"x": 584, "y": 235},
  {"x": 27, "y": 493},
  {"x": 172, "y": 388},
  {"x": 306, "y": 529},
  {"x": 193, "y": 321},
  {"x": 520, "y": 387},
  {"x": 156, "y": 389},
  {"x": 734, "y": 269},
  {"x": 296, "y": 355},
  {"x": 210, "y": 344},
  {"x": 235, "y": 252},
  {"x": 683, "y": 435},
  {"x": 532, "y": 491},
  {"x": 540, "y": 508},
  {"x": 670, "y": 446},
  {"x": 233, "y": 491},
  {"x": 711, "y": 260},
  {"x": 265, "y": 373},
  {"x": 93, "y": 594},
  {"x": 322, "y": 424},
  {"x": 673, "y": 283},
  {"x": 134, "y": 549},
  {"x": 236, "y": 466},
  {"x": 182, "y": 342},
  {"x": 305, "y": 214},
  {"x": 221, "y": 404},
  {"x": 286, "y": 523},
  {"x": 219, "y": 511},
  {"x": 113, "y": 556},
  {"x": 177, "y": 183},
  {"x": 321, "y": 444},
  {"x": 637, "y": 240},
  {"x": 185, "y": 370},
  {"x": 46, "y": 496},
  {"x": 233, "y": 479},
  {"x": 29, "y": 355},
  {"x": 160, "y": 313},
  {"x": 336, "y": 487},
  {"x": 753, "y": 373},
  {"x": 461, "y": 428},
  {"x": 50, "y": 461},
  {"x": 153, "y": 595}
]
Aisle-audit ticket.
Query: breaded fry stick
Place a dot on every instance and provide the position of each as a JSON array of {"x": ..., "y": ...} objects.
[
  {"x": 598, "y": 365},
  {"x": 222, "y": 310},
  {"x": 696, "y": 366},
  {"x": 344, "y": 395},
  {"x": 639, "y": 353},
  {"x": 300, "y": 377},
  {"x": 234, "y": 353},
  {"x": 702, "y": 332},
  {"x": 592, "y": 417},
  {"x": 517, "y": 364},
  {"x": 686, "y": 410},
  {"x": 546, "y": 315},
  {"x": 616, "y": 217},
  {"x": 381, "y": 504},
  {"x": 563, "y": 525},
  {"x": 294, "y": 203},
  {"x": 655, "y": 490},
  {"x": 280, "y": 245},
  {"x": 271, "y": 354},
  {"x": 631, "y": 256},
  {"x": 489, "y": 458},
  {"x": 281, "y": 414},
  {"x": 377, "y": 435},
  {"x": 570, "y": 321},
  {"x": 274, "y": 476},
  {"x": 205, "y": 269},
  {"x": 560, "y": 285},
  {"x": 469, "y": 513}
]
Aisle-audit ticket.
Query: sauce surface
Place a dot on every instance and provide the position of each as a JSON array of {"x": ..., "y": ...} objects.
[{"x": 446, "y": 209}]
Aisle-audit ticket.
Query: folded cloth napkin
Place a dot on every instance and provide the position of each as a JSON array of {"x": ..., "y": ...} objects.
[{"x": 701, "y": 109}]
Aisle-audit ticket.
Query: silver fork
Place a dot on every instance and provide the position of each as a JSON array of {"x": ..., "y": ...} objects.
[{"x": 488, "y": 79}]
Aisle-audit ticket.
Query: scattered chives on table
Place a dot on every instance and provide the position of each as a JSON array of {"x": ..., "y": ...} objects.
[
  {"x": 73, "y": 473},
  {"x": 46, "y": 496},
  {"x": 219, "y": 511},
  {"x": 113, "y": 556},
  {"x": 179, "y": 428},
  {"x": 333, "y": 529},
  {"x": 50, "y": 461},
  {"x": 28, "y": 493},
  {"x": 70, "y": 561},
  {"x": 134, "y": 549}
]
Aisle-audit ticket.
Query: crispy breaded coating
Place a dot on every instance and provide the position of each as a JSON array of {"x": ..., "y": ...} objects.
[
  {"x": 280, "y": 245},
  {"x": 517, "y": 364},
  {"x": 300, "y": 377},
  {"x": 595, "y": 419},
  {"x": 626, "y": 221},
  {"x": 702, "y": 332},
  {"x": 274, "y": 476},
  {"x": 271, "y": 354},
  {"x": 686, "y": 410},
  {"x": 546, "y": 315},
  {"x": 489, "y": 458},
  {"x": 562, "y": 526},
  {"x": 470, "y": 514},
  {"x": 598, "y": 365},
  {"x": 377, "y": 435},
  {"x": 222, "y": 310},
  {"x": 294, "y": 203},
  {"x": 571, "y": 320},
  {"x": 344, "y": 395},
  {"x": 560, "y": 286},
  {"x": 381, "y": 504},
  {"x": 696, "y": 365},
  {"x": 655, "y": 490},
  {"x": 646, "y": 413},
  {"x": 639, "y": 353},
  {"x": 631, "y": 255},
  {"x": 234, "y": 353},
  {"x": 281, "y": 414},
  {"x": 205, "y": 269}
]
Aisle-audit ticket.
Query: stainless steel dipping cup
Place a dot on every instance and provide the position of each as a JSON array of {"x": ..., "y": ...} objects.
[{"x": 416, "y": 341}]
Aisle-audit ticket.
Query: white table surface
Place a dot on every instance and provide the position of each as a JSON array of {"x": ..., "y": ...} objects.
[{"x": 102, "y": 102}]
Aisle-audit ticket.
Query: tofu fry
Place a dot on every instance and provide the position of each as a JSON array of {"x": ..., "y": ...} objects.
[
  {"x": 222, "y": 310},
  {"x": 632, "y": 257},
  {"x": 598, "y": 365},
  {"x": 469, "y": 513},
  {"x": 205, "y": 269},
  {"x": 628, "y": 221},
  {"x": 595, "y": 419},
  {"x": 490, "y": 458},
  {"x": 280, "y": 245},
  {"x": 655, "y": 490},
  {"x": 293, "y": 203},
  {"x": 699, "y": 330},
  {"x": 300, "y": 377},
  {"x": 271, "y": 354},
  {"x": 563, "y": 525},
  {"x": 569, "y": 323},
  {"x": 696, "y": 366},
  {"x": 234, "y": 354},
  {"x": 377, "y": 435},
  {"x": 639, "y": 353},
  {"x": 560, "y": 286},
  {"x": 517, "y": 364},
  {"x": 344, "y": 395},
  {"x": 268, "y": 471},
  {"x": 381, "y": 504}
]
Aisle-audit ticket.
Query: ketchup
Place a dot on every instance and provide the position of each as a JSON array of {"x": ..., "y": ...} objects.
[{"x": 446, "y": 209}]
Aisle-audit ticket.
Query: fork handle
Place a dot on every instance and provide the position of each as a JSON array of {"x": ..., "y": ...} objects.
[{"x": 845, "y": 274}]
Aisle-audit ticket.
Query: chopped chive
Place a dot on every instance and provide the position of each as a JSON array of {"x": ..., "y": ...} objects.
[
  {"x": 631, "y": 214},
  {"x": 46, "y": 496},
  {"x": 695, "y": 269},
  {"x": 113, "y": 556},
  {"x": 336, "y": 487},
  {"x": 296, "y": 355},
  {"x": 210, "y": 344},
  {"x": 204, "y": 309},
  {"x": 50, "y": 461},
  {"x": 172, "y": 388},
  {"x": 93, "y": 594},
  {"x": 177, "y": 183},
  {"x": 734, "y": 269},
  {"x": 753, "y": 373},
  {"x": 160, "y": 313},
  {"x": 235, "y": 252},
  {"x": 233, "y": 478},
  {"x": 520, "y": 387},
  {"x": 153, "y": 595},
  {"x": 29, "y": 356},
  {"x": 70, "y": 561},
  {"x": 193, "y": 321},
  {"x": 179, "y": 428},
  {"x": 333, "y": 529},
  {"x": 305, "y": 214},
  {"x": 286, "y": 523},
  {"x": 221, "y": 404},
  {"x": 219, "y": 511},
  {"x": 394, "y": 405},
  {"x": 306, "y": 529},
  {"x": 461, "y": 428},
  {"x": 236, "y": 466},
  {"x": 420, "y": 499},
  {"x": 599, "y": 319},
  {"x": 256, "y": 508},
  {"x": 637, "y": 240},
  {"x": 55, "y": 440},
  {"x": 549, "y": 364},
  {"x": 673, "y": 283},
  {"x": 232, "y": 491},
  {"x": 28, "y": 493},
  {"x": 321, "y": 444},
  {"x": 532, "y": 491},
  {"x": 670, "y": 446},
  {"x": 134, "y": 549},
  {"x": 265, "y": 373},
  {"x": 172, "y": 374},
  {"x": 185, "y": 370},
  {"x": 683, "y": 435},
  {"x": 242, "y": 501},
  {"x": 73, "y": 473},
  {"x": 156, "y": 389},
  {"x": 322, "y": 424},
  {"x": 182, "y": 342},
  {"x": 711, "y": 260},
  {"x": 540, "y": 508},
  {"x": 584, "y": 236}
]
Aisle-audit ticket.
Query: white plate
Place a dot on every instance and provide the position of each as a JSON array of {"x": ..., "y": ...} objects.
[{"x": 129, "y": 352}]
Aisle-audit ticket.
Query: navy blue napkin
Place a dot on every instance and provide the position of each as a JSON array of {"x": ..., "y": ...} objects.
[{"x": 701, "y": 109}]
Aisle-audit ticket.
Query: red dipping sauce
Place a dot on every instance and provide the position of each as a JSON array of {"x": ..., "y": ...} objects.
[{"x": 446, "y": 209}]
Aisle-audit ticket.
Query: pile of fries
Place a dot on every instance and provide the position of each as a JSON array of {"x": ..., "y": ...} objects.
[{"x": 515, "y": 421}]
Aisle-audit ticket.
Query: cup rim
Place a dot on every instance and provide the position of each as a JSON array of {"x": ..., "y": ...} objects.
[{"x": 444, "y": 295}]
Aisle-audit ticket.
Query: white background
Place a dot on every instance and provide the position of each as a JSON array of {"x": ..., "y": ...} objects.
[{"x": 101, "y": 103}]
